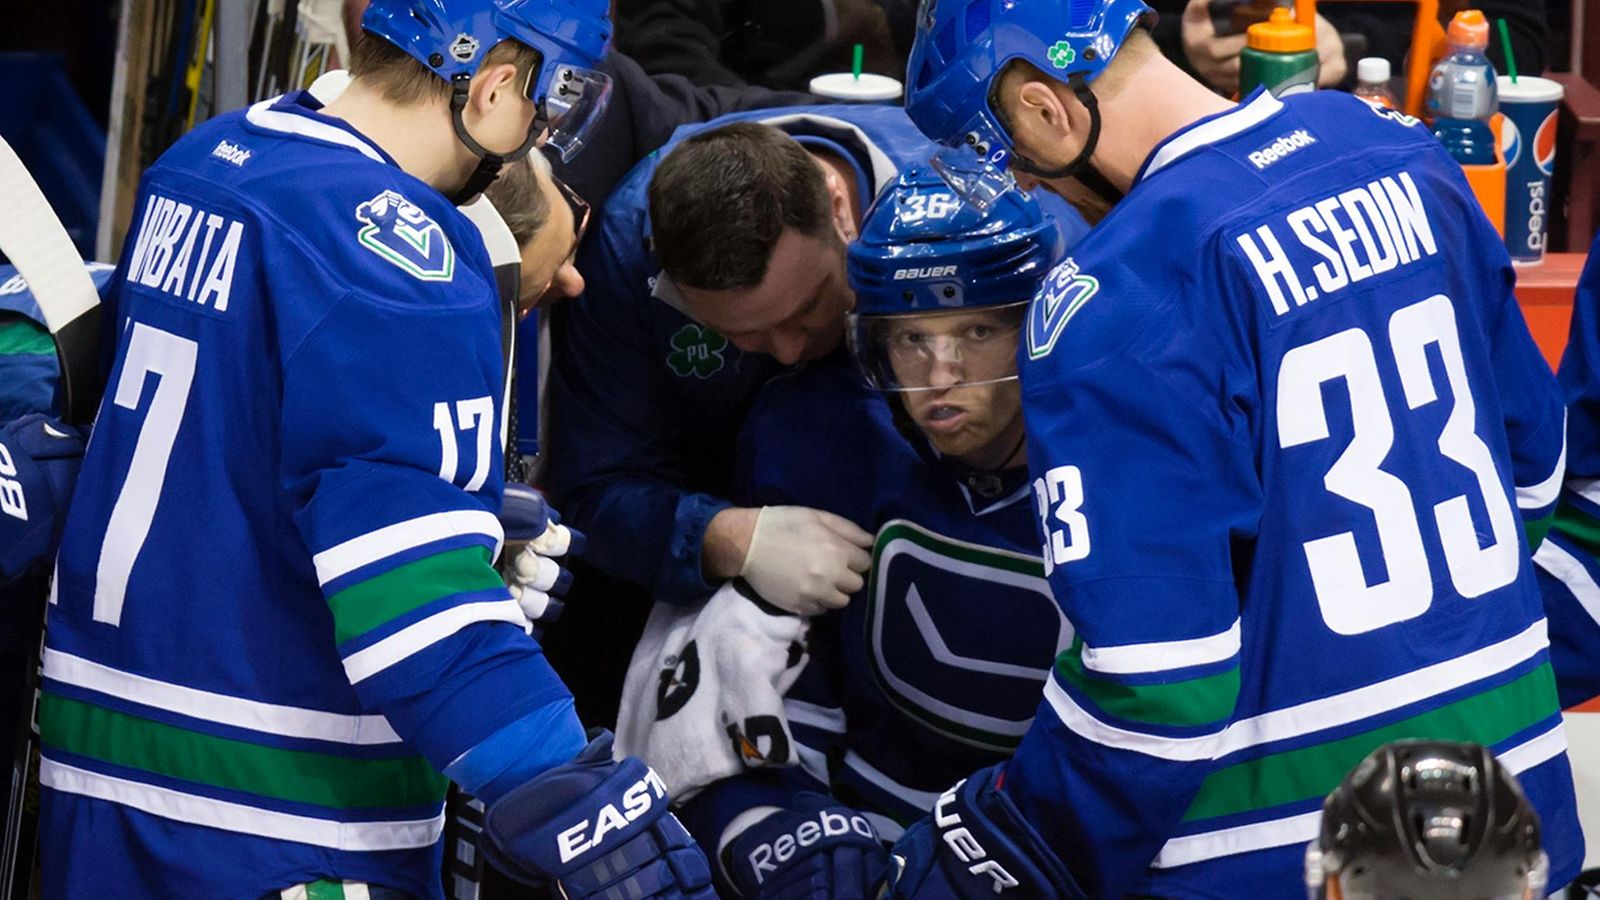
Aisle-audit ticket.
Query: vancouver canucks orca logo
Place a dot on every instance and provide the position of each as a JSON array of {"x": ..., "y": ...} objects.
[
  {"x": 402, "y": 234},
  {"x": 1062, "y": 295}
]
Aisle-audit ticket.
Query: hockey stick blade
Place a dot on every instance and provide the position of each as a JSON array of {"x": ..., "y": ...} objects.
[{"x": 37, "y": 244}]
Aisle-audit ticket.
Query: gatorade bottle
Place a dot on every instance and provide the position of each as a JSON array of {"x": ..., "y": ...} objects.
[
  {"x": 1462, "y": 96},
  {"x": 1280, "y": 54},
  {"x": 1372, "y": 82}
]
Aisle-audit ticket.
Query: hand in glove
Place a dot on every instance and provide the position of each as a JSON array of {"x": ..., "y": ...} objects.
[
  {"x": 805, "y": 560},
  {"x": 536, "y": 580}
]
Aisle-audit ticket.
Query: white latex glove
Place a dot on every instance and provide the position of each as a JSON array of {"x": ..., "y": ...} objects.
[
  {"x": 805, "y": 560},
  {"x": 536, "y": 580}
]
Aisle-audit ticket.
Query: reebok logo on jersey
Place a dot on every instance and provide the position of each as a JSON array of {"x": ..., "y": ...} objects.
[
  {"x": 232, "y": 153},
  {"x": 400, "y": 233},
  {"x": 765, "y": 858},
  {"x": 1283, "y": 146},
  {"x": 965, "y": 846},
  {"x": 186, "y": 252},
  {"x": 925, "y": 272},
  {"x": 636, "y": 801}
]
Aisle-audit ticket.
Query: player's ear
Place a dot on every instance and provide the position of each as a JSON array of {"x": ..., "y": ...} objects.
[
  {"x": 844, "y": 218},
  {"x": 1039, "y": 115},
  {"x": 494, "y": 85}
]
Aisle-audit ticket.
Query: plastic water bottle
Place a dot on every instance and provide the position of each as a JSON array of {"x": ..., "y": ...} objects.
[
  {"x": 1462, "y": 96},
  {"x": 1372, "y": 82},
  {"x": 1280, "y": 55}
]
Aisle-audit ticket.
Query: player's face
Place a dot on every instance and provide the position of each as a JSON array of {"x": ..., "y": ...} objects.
[
  {"x": 971, "y": 408},
  {"x": 549, "y": 260},
  {"x": 798, "y": 310}
]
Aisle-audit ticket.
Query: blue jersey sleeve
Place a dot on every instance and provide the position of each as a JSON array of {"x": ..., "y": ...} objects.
[
  {"x": 392, "y": 451},
  {"x": 1569, "y": 559},
  {"x": 616, "y": 465},
  {"x": 1120, "y": 426}
]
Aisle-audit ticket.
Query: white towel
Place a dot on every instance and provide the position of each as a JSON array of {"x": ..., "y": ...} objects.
[{"x": 703, "y": 699}]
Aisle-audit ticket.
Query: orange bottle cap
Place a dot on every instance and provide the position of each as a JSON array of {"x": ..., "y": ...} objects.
[
  {"x": 1469, "y": 28},
  {"x": 1280, "y": 33}
]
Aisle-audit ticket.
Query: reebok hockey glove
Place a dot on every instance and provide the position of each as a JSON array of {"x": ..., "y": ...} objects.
[
  {"x": 536, "y": 580},
  {"x": 816, "y": 849},
  {"x": 804, "y": 560},
  {"x": 39, "y": 459},
  {"x": 975, "y": 846},
  {"x": 595, "y": 826}
]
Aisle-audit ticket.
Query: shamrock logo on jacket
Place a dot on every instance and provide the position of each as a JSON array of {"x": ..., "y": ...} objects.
[
  {"x": 696, "y": 351},
  {"x": 1061, "y": 54}
]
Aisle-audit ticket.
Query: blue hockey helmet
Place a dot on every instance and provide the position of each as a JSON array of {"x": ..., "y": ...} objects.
[
  {"x": 962, "y": 46},
  {"x": 939, "y": 279},
  {"x": 451, "y": 37}
]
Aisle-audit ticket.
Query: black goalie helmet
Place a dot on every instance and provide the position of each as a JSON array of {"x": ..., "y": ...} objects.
[{"x": 1427, "y": 820}]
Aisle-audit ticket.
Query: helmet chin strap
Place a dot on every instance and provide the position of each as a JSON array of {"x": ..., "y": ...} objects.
[
  {"x": 1080, "y": 168},
  {"x": 489, "y": 164}
]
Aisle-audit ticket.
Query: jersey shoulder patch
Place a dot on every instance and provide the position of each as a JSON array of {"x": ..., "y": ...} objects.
[{"x": 402, "y": 234}]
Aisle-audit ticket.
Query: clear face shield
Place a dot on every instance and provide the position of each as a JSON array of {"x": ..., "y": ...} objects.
[
  {"x": 977, "y": 168},
  {"x": 1322, "y": 884},
  {"x": 572, "y": 107},
  {"x": 932, "y": 351}
]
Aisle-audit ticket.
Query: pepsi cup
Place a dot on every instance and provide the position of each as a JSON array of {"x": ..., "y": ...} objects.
[{"x": 1528, "y": 137}]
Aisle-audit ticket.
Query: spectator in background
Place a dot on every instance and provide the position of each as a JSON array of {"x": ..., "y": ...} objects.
[
  {"x": 1188, "y": 35},
  {"x": 778, "y": 45}
]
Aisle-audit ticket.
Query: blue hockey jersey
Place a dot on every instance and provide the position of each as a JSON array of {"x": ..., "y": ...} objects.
[
  {"x": 645, "y": 403},
  {"x": 29, "y": 372},
  {"x": 934, "y": 668},
  {"x": 1569, "y": 558},
  {"x": 275, "y": 620},
  {"x": 1285, "y": 432}
]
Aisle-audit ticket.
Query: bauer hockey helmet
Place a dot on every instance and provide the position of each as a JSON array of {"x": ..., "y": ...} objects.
[
  {"x": 962, "y": 46},
  {"x": 925, "y": 254},
  {"x": 451, "y": 37},
  {"x": 1427, "y": 820}
]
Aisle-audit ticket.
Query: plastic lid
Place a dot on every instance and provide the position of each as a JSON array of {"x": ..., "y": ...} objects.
[
  {"x": 1470, "y": 28},
  {"x": 1526, "y": 89},
  {"x": 1373, "y": 70},
  {"x": 869, "y": 88},
  {"x": 1281, "y": 34}
]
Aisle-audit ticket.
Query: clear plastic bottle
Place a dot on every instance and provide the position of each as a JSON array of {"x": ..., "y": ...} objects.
[
  {"x": 1462, "y": 96},
  {"x": 1372, "y": 82}
]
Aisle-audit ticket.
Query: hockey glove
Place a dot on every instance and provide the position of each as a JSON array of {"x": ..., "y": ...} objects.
[
  {"x": 39, "y": 459},
  {"x": 804, "y": 560},
  {"x": 815, "y": 849},
  {"x": 975, "y": 846},
  {"x": 536, "y": 580},
  {"x": 595, "y": 825}
]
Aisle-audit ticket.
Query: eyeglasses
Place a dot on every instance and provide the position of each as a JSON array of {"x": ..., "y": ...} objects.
[{"x": 580, "y": 211}]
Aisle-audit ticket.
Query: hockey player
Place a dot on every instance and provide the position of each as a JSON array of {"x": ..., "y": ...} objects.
[
  {"x": 1283, "y": 413},
  {"x": 1569, "y": 558},
  {"x": 935, "y": 668},
  {"x": 1427, "y": 820},
  {"x": 646, "y": 401},
  {"x": 275, "y": 621}
]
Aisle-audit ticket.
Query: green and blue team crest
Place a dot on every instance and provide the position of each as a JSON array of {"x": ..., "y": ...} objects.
[
  {"x": 402, "y": 234},
  {"x": 961, "y": 636},
  {"x": 1063, "y": 293}
]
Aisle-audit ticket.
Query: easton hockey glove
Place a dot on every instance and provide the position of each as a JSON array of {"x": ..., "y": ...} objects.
[
  {"x": 595, "y": 826},
  {"x": 815, "y": 849},
  {"x": 39, "y": 460}
]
